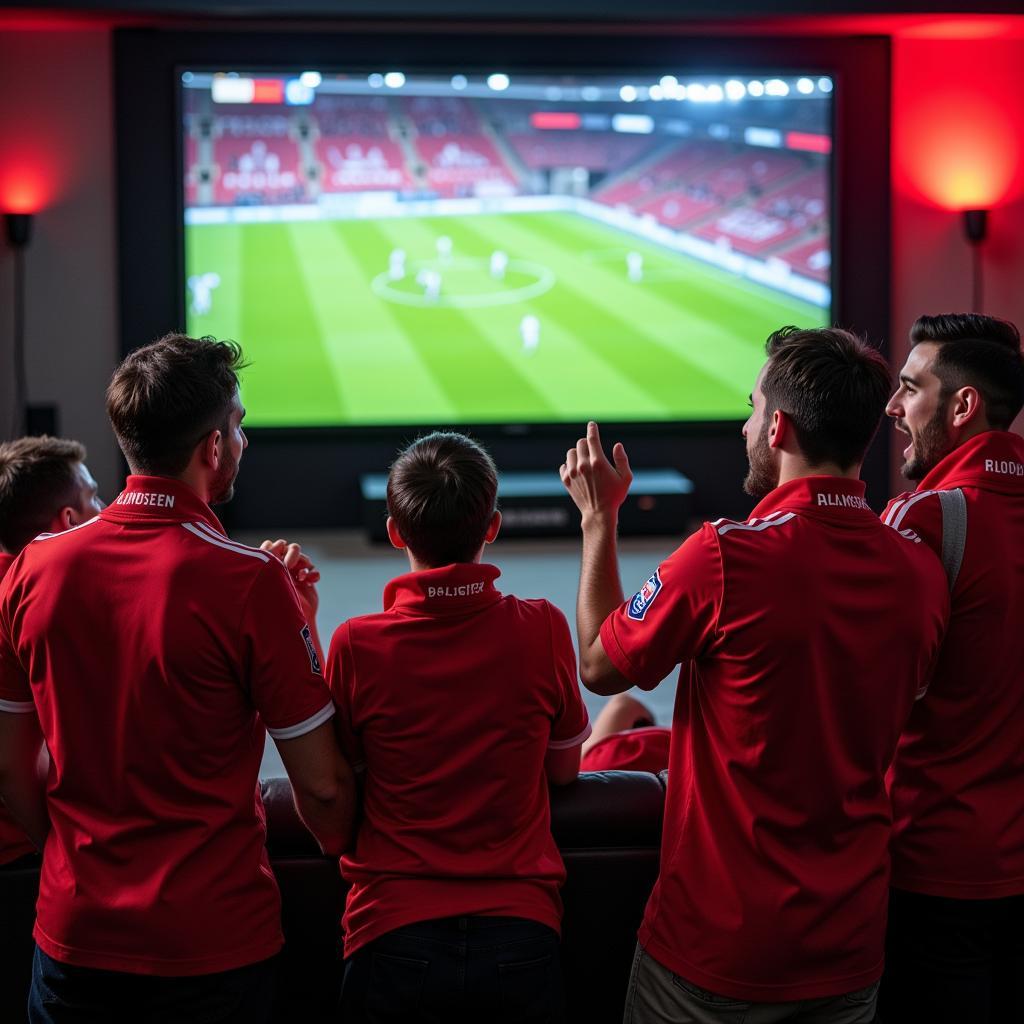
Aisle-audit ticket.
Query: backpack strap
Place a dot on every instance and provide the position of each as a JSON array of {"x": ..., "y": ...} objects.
[{"x": 954, "y": 532}]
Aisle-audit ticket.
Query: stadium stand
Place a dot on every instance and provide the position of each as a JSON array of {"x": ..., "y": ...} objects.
[
  {"x": 358, "y": 163},
  {"x": 262, "y": 169},
  {"x": 464, "y": 165},
  {"x": 811, "y": 258},
  {"x": 596, "y": 151}
]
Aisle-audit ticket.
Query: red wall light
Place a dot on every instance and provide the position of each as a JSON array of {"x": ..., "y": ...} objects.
[
  {"x": 958, "y": 121},
  {"x": 24, "y": 188}
]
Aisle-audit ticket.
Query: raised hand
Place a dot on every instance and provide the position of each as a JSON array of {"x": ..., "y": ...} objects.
[{"x": 597, "y": 486}]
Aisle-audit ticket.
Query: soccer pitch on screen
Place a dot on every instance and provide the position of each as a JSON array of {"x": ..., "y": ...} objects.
[{"x": 415, "y": 320}]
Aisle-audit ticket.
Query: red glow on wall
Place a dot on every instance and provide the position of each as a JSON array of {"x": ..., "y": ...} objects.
[
  {"x": 958, "y": 122},
  {"x": 25, "y": 187}
]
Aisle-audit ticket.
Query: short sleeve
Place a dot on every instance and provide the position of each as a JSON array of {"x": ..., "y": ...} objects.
[
  {"x": 918, "y": 513},
  {"x": 341, "y": 679},
  {"x": 285, "y": 676},
  {"x": 672, "y": 617},
  {"x": 15, "y": 691},
  {"x": 571, "y": 725}
]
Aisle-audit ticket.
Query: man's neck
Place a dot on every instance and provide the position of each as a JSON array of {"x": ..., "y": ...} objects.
[
  {"x": 191, "y": 479},
  {"x": 794, "y": 467}
]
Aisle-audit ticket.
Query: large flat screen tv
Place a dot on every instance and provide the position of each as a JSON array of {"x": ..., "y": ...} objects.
[
  {"x": 507, "y": 229},
  {"x": 459, "y": 247}
]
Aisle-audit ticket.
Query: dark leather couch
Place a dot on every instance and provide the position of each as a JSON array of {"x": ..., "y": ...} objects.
[{"x": 607, "y": 825}]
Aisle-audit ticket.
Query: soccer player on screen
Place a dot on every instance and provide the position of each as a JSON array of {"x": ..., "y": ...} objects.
[
  {"x": 202, "y": 286},
  {"x": 529, "y": 331},
  {"x": 955, "y": 948},
  {"x": 396, "y": 264},
  {"x": 460, "y": 704},
  {"x": 156, "y": 654},
  {"x": 634, "y": 266},
  {"x": 804, "y": 635},
  {"x": 499, "y": 264}
]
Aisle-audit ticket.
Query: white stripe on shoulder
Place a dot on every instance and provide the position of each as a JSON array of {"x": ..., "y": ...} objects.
[
  {"x": 70, "y": 529},
  {"x": 892, "y": 511},
  {"x": 292, "y": 732},
  {"x": 911, "y": 502},
  {"x": 210, "y": 531},
  {"x": 760, "y": 526},
  {"x": 17, "y": 707},
  {"x": 220, "y": 542},
  {"x": 748, "y": 522},
  {"x": 574, "y": 742}
]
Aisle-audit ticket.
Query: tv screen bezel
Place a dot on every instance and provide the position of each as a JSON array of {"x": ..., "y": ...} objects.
[{"x": 151, "y": 197}]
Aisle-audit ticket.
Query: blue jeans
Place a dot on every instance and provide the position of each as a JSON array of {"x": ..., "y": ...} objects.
[
  {"x": 502, "y": 970},
  {"x": 64, "y": 994}
]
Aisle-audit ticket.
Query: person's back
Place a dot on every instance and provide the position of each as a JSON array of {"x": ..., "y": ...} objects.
[
  {"x": 457, "y": 702},
  {"x": 955, "y": 947},
  {"x": 804, "y": 635},
  {"x": 155, "y": 654},
  {"x": 153, "y": 732},
  {"x": 786, "y": 728}
]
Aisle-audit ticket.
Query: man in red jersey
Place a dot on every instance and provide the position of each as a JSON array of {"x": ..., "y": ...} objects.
[
  {"x": 156, "y": 654},
  {"x": 956, "y": 919},
  {"x": 804, "y": 635},
  {"x": 625, "y": 738},
  {"x": 45, "y": 487},
  {"x": 460, "y": 704}
]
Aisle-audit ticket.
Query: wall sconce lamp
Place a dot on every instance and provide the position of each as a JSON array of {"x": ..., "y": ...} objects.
[
  {"x": 19, "y": 232},
  {"x": 976, "y": 228}
]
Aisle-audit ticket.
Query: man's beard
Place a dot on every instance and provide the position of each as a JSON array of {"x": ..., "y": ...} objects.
[
  {"x": 931, "y": 446},
  {"x": 763, "y": 475},
  {"x": 223, "y": 487}
]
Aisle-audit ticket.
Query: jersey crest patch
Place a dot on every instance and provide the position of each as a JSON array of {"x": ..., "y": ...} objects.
[
  {"x": 644, "y": 597},
  {"x": 314, "y": 661}
]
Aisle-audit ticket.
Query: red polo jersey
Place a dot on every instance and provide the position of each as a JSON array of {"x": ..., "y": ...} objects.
[
  {"x": 633, "y": 750},
  {"x": 451, "y": 698},
  {"x": 155, "y": 650},
  {"x": 804, "y": 635},
  {"x": 958, "y": 779},
  {"x": 13, "y": 841}
]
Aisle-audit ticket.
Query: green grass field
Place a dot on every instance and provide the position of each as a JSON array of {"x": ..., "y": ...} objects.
[{"x": 333, "y": 341}]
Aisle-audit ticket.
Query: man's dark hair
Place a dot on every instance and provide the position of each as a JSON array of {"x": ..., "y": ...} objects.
[
  {"x": 37, "y": 479},
  {"x": 167, "y": 396},
  {"x": 982, "y": 352},
  {"x": 832, "y": 385},
  {"x": 442, "y": 493}
]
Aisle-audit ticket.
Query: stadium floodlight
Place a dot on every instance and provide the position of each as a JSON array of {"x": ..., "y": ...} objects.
[
  {"x": 187, "y": 76},
  {"x": 590, "y": 93},
  {"x": 375, "y": 81},
  {"x": 696, "y": 92},
  {"x": 735, "y": 90},
  {"x": 804, "y": 86},
  {"x": 668, "y": 83},
  {"x": 714, "y": 93},
  {"x": 498, "y": 82},
  {"x": 679, "y": 92},
  {"x": 552, "y": 92},
  {"x": 311, "y": 79},
  {"x": 459, "y": 82},
  {"x": 394, "y": 79},
  {"x": 776, "y": 87},
  {"x": 825, "y": 84},
  {"x": 633, "y": 124},
  {"x": 755, "y": 88},
  {"x": 656, "y": 92},
  {"x": 627, "y": 93}
]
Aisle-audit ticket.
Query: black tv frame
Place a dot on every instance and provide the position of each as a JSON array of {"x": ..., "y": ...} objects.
[{"x": 308, "y": 477}]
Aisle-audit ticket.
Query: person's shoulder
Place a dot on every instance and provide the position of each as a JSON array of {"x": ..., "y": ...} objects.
[
  {"x": 532, "y": 609},
  {"x": 911, "y": 507},
  {"x": 56, "y": 547}
]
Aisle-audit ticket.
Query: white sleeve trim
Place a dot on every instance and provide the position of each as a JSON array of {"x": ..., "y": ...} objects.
[
  {"x": 17, "y": 707},
  {"x": 574, "y": 742},
  {"x": 325, "y": 714}
]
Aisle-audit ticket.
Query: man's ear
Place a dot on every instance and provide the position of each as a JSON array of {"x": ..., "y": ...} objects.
[
  {"x": 493, "y": 527},
  {"x": 210, "y": 449},
  {"x": 778, "y": 430},
  {"x": 63, "y": 520},
  {"x": 966, "y": 406},
  {"x": 393, "y": 535}
]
